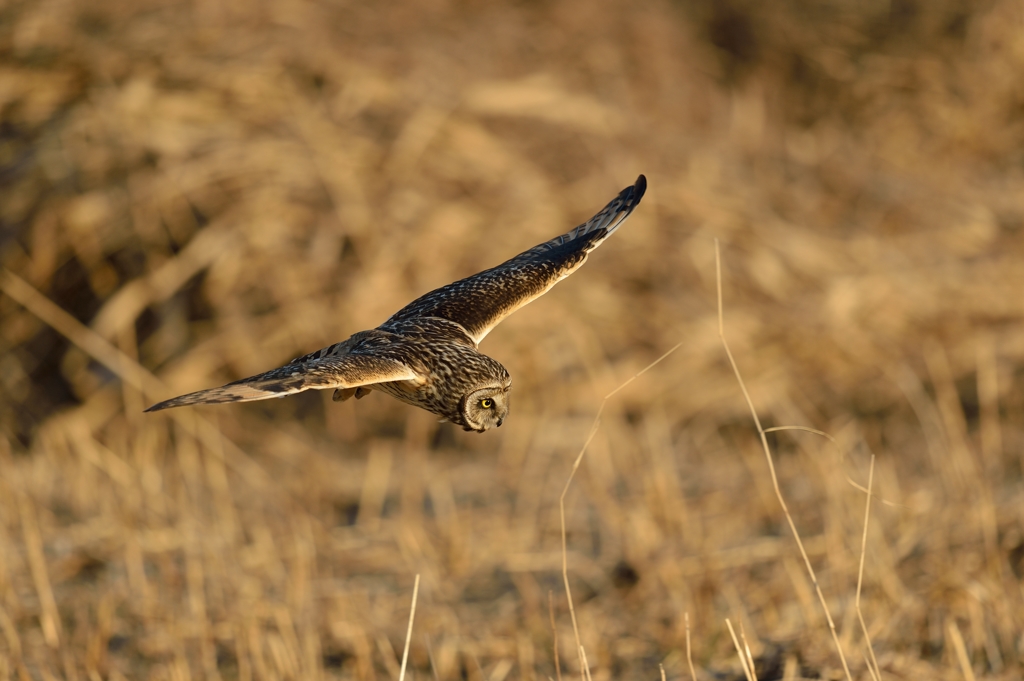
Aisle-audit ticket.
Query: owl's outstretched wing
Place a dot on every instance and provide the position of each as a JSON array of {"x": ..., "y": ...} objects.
[
  {"x": 344, "y": 372},
  {"x": 481, "y": 301}
]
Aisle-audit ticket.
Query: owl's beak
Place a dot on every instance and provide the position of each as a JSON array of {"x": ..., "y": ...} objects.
[{"x": 500, "y": 421}]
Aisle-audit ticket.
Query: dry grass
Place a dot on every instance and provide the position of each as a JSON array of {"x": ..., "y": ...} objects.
[{"x": 192, "y": 193}]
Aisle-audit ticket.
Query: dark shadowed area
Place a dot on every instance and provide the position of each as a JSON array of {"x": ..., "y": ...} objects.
[{"x": 191, "y": 193}]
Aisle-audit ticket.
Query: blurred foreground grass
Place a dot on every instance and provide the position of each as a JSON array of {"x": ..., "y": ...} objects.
[{"x": 213, "y": 189}]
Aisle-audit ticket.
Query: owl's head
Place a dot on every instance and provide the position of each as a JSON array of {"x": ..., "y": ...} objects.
[{"x": 486, "y": 407}]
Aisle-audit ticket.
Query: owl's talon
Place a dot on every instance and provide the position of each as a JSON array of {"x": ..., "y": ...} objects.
[{"x": 342, "y": 394}]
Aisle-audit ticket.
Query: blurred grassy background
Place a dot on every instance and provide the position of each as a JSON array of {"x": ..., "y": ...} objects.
[{"x": 214, "y": 188}]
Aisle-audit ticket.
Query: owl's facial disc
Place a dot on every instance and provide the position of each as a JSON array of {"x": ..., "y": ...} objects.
[{"x": 486, "y": 407}]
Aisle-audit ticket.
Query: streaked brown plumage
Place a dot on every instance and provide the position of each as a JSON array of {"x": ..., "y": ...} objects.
[{"x": 426, "y": 354}]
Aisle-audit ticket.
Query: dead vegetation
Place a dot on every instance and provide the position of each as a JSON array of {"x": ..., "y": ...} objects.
[{"x": 193, "y": 193}]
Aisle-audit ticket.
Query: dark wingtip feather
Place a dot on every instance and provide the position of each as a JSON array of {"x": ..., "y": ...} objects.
[
  {"x": 639, "y": 188},
  {"x": 630, "y": 196}
]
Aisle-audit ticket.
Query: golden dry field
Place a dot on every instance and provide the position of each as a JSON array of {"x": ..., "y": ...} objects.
[{"x": 195, "y": 192}]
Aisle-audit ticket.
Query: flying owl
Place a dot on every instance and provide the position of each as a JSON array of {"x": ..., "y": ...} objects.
[{"x": 427, "y": 353}]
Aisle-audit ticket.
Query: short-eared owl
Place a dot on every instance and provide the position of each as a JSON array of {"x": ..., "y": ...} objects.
[{"x": 426, "y": 353}]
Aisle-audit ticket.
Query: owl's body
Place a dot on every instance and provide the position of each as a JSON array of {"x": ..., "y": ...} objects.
[{"x": 427, "y": 353}]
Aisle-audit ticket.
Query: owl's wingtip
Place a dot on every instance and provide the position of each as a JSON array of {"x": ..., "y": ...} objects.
[{"x": 639, "y": 187}]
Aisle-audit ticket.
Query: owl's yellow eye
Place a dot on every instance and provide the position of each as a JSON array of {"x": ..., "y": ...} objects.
[{"x": 487, "y": 404}]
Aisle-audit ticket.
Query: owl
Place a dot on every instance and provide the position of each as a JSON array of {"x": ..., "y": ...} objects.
[{"x": 427, "y": 354}]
